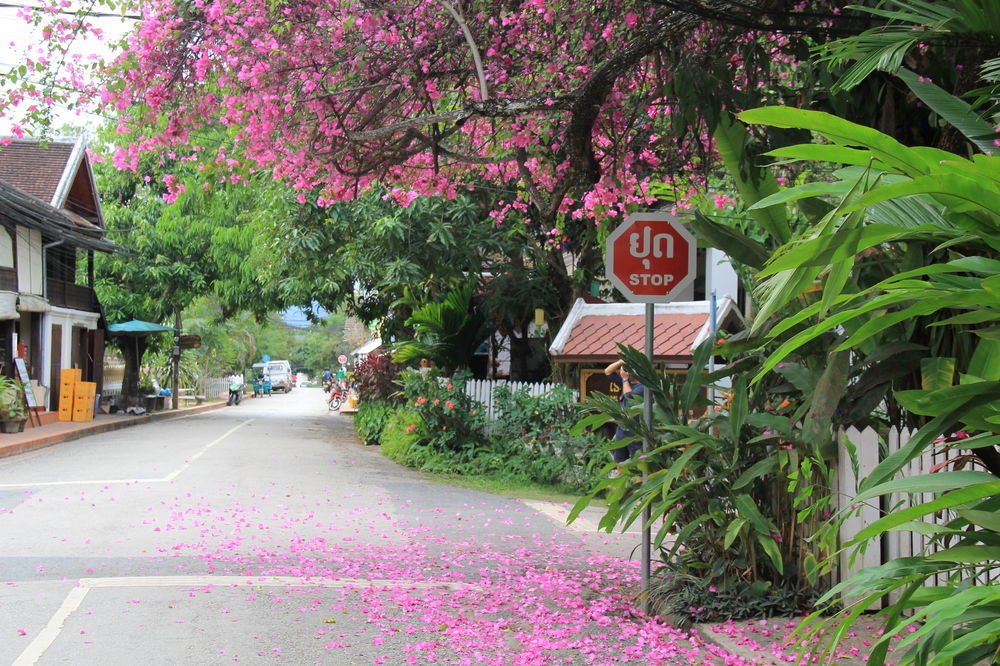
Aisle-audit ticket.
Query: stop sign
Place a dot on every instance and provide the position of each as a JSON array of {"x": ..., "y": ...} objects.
[
  {"x": 342, "y": 359},
  {"x": 650, "y": 258}
]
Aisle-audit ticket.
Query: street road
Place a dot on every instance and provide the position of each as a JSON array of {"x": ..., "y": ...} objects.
[{"x": 267, "y": 533}]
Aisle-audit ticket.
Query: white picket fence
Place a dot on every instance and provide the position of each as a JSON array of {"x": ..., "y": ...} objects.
[
  {"x": 482, "y": 390},
  {"x": 894, "y": 544}
]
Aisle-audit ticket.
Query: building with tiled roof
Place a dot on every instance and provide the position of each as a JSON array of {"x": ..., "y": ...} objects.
[
  {"x": 51, "y": 213},
  {"x": 592, "y": 332}
]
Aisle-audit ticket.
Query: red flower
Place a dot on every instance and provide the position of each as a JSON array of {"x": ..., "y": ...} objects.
[
  {"x": 437, "y": 402},
  {"x": 449, "y": 404},
  {"x": 421, "y": 400}
]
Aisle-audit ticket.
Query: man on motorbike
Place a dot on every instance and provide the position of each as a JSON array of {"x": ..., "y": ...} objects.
[
  {"x": 327, "y": 379},
  {"x": 235, "y": 389}
]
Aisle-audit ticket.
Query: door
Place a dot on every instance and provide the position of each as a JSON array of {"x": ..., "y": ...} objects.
[{"x": 56, "y": 367}]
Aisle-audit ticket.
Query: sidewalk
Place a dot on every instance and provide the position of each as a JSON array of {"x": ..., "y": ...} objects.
[
  {"x": 62, "y": 431},
  {"x": 768, "y": 642}
]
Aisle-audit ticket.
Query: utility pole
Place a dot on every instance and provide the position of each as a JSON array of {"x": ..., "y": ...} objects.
[{"x": 175, "y": 389}]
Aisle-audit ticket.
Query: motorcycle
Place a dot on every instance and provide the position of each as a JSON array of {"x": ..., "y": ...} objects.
[
  {"x": 336, "y": 398},
  {"x": 235, "y": 393}
]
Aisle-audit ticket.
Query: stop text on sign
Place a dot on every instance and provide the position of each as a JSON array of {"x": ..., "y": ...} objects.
[{"x": 650, "y": 258}]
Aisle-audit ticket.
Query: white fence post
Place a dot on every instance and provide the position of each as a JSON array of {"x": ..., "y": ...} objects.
[
  {"x": 866, "y": 445},
  {"x": 482, "y": 391}
]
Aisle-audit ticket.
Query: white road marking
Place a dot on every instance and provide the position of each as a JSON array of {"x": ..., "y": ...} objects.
[
  {"x": 559, "y": 513},
  {"x": 48, "y": 635},
  {"x": 108, "y": 482},
  {"x": 71, "y": 603}
]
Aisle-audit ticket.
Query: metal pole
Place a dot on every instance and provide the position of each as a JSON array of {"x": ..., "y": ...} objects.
[
  {"x": 176, "y": 384},
  {"x": 647, "y": 413}
]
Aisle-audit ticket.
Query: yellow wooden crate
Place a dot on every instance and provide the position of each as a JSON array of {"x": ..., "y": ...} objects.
[
  {"x": 65, "y": 407},
  {"x": 69, "y": 376}
]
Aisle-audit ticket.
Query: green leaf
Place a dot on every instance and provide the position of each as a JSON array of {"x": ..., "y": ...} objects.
[
  {"x": 966, "y": 554},
  {"x": 959, "y": 193},
  {"x": 947, "y": 501},
  {"x": 986, "y": 519},
  {"x": 758, "y": 469},
  {"x": 748, "y": 509},
  {"x": 753, "y": 183},
  {"x": 733, "y": 531},
  {"x": 986, "y": 360},
  {"x": 738, "y": 407},
  {"x": 740, "y": 247},
  {"x": 937, "y": 372},
  {"x": 770, "y": 547},
  {"x": 886, "y": 149},
  {"x": 930, "y": 483},
  {"x": 951, "y": 108}
]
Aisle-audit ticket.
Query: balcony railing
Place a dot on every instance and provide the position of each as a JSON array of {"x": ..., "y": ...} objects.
[{"x": 68, "y": 295}]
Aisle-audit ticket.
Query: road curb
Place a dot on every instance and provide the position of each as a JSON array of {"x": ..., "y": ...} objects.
[{"x": 30, "y": 440}]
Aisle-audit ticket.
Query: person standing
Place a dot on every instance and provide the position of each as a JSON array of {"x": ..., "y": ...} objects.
[{"x": 630, "y": 387}]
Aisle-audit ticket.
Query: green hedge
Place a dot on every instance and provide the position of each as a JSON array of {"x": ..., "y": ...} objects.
[
  {"x": 401, "y": 438},
  {"x": 371, "y": 420}
]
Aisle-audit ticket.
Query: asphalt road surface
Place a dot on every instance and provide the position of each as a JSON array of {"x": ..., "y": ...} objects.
[{"x": 267, "y": 533}]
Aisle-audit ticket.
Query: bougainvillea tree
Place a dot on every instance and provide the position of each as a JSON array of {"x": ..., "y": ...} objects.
[
  {"x": 571, "y": 109},
  {"x": 570, "y": 106}
]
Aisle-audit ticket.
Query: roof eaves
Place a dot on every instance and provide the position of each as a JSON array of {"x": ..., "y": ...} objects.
[{"x": 68, "y": 174}]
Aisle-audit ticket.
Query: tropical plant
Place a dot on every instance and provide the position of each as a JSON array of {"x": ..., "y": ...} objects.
[
  {"x": 952, "y": 202},
  {"x": 371, "y": 420},
  {"x": 12, "y": 405},
  {"x": 446, "y": 332},
  {"x": 450, "y": 420},
  {"x": 534, "y": 434},
  {"x": 739, "y": 488},
  {"x": 376, "y": 379},
  {"x": 401, "y": 438}
]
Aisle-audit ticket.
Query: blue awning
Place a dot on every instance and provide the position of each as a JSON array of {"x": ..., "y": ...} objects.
[{"x": 137, "y": 326}]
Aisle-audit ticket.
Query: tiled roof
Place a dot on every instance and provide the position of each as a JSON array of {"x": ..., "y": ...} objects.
[
  {"x": 591, "y": 331},
  {"x": 33, "y": 167},
  {"x": 598, "y": 336}
]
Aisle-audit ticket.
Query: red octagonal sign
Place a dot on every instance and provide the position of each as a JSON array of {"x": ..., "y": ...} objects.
[{"x": 650, "y": 258}]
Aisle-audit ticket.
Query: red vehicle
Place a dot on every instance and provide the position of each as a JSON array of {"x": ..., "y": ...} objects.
[
  {"x": 295, "y": 379},
  {"x": 336, "y": 398}
]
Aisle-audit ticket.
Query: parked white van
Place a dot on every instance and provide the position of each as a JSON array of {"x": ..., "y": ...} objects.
[{"x": 281, "y": 375}]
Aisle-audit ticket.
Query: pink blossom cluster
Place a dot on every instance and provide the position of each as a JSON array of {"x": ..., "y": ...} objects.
[{"x": 329, "y": 97}]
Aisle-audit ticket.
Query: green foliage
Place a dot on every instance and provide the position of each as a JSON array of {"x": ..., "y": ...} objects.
[
  {"x": 375, "y": 377},
  {"x": 446, "y": 333},
  {"x": 534, "y": 432},
  {"x": 371, "y": 420},
  {"x": 450, "y": 420},
  {"x": 741, "y": 489},
  {"x": 12, "y": 404},
  {"x": 912, "y": 26},
  {"x": 952, "y": 292},
  {"x": 368, "y": 257},
  {"x": 530, "y": 443},
  {"x": 689, "y": 599},
  {"x": 401, "y": 439}
]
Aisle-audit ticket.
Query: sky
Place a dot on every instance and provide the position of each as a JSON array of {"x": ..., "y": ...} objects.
[{"x": 16, "y": 35}]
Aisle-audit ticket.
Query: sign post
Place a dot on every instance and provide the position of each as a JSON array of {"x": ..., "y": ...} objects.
[{"x": 650, "y": 258}]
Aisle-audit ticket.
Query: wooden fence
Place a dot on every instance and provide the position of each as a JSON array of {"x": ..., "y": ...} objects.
[
  {"x": 870, "y": 450},
  {"x": 482, "y": 391}
]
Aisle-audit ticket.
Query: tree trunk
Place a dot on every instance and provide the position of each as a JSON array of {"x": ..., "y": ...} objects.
[{"x": 133, "y": 348}]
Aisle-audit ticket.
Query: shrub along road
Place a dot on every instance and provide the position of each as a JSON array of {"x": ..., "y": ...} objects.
[{"x": 267, "y": 530}]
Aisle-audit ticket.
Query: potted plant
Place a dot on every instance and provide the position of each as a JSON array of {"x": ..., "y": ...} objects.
[{"x": 13, "y": 411}]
